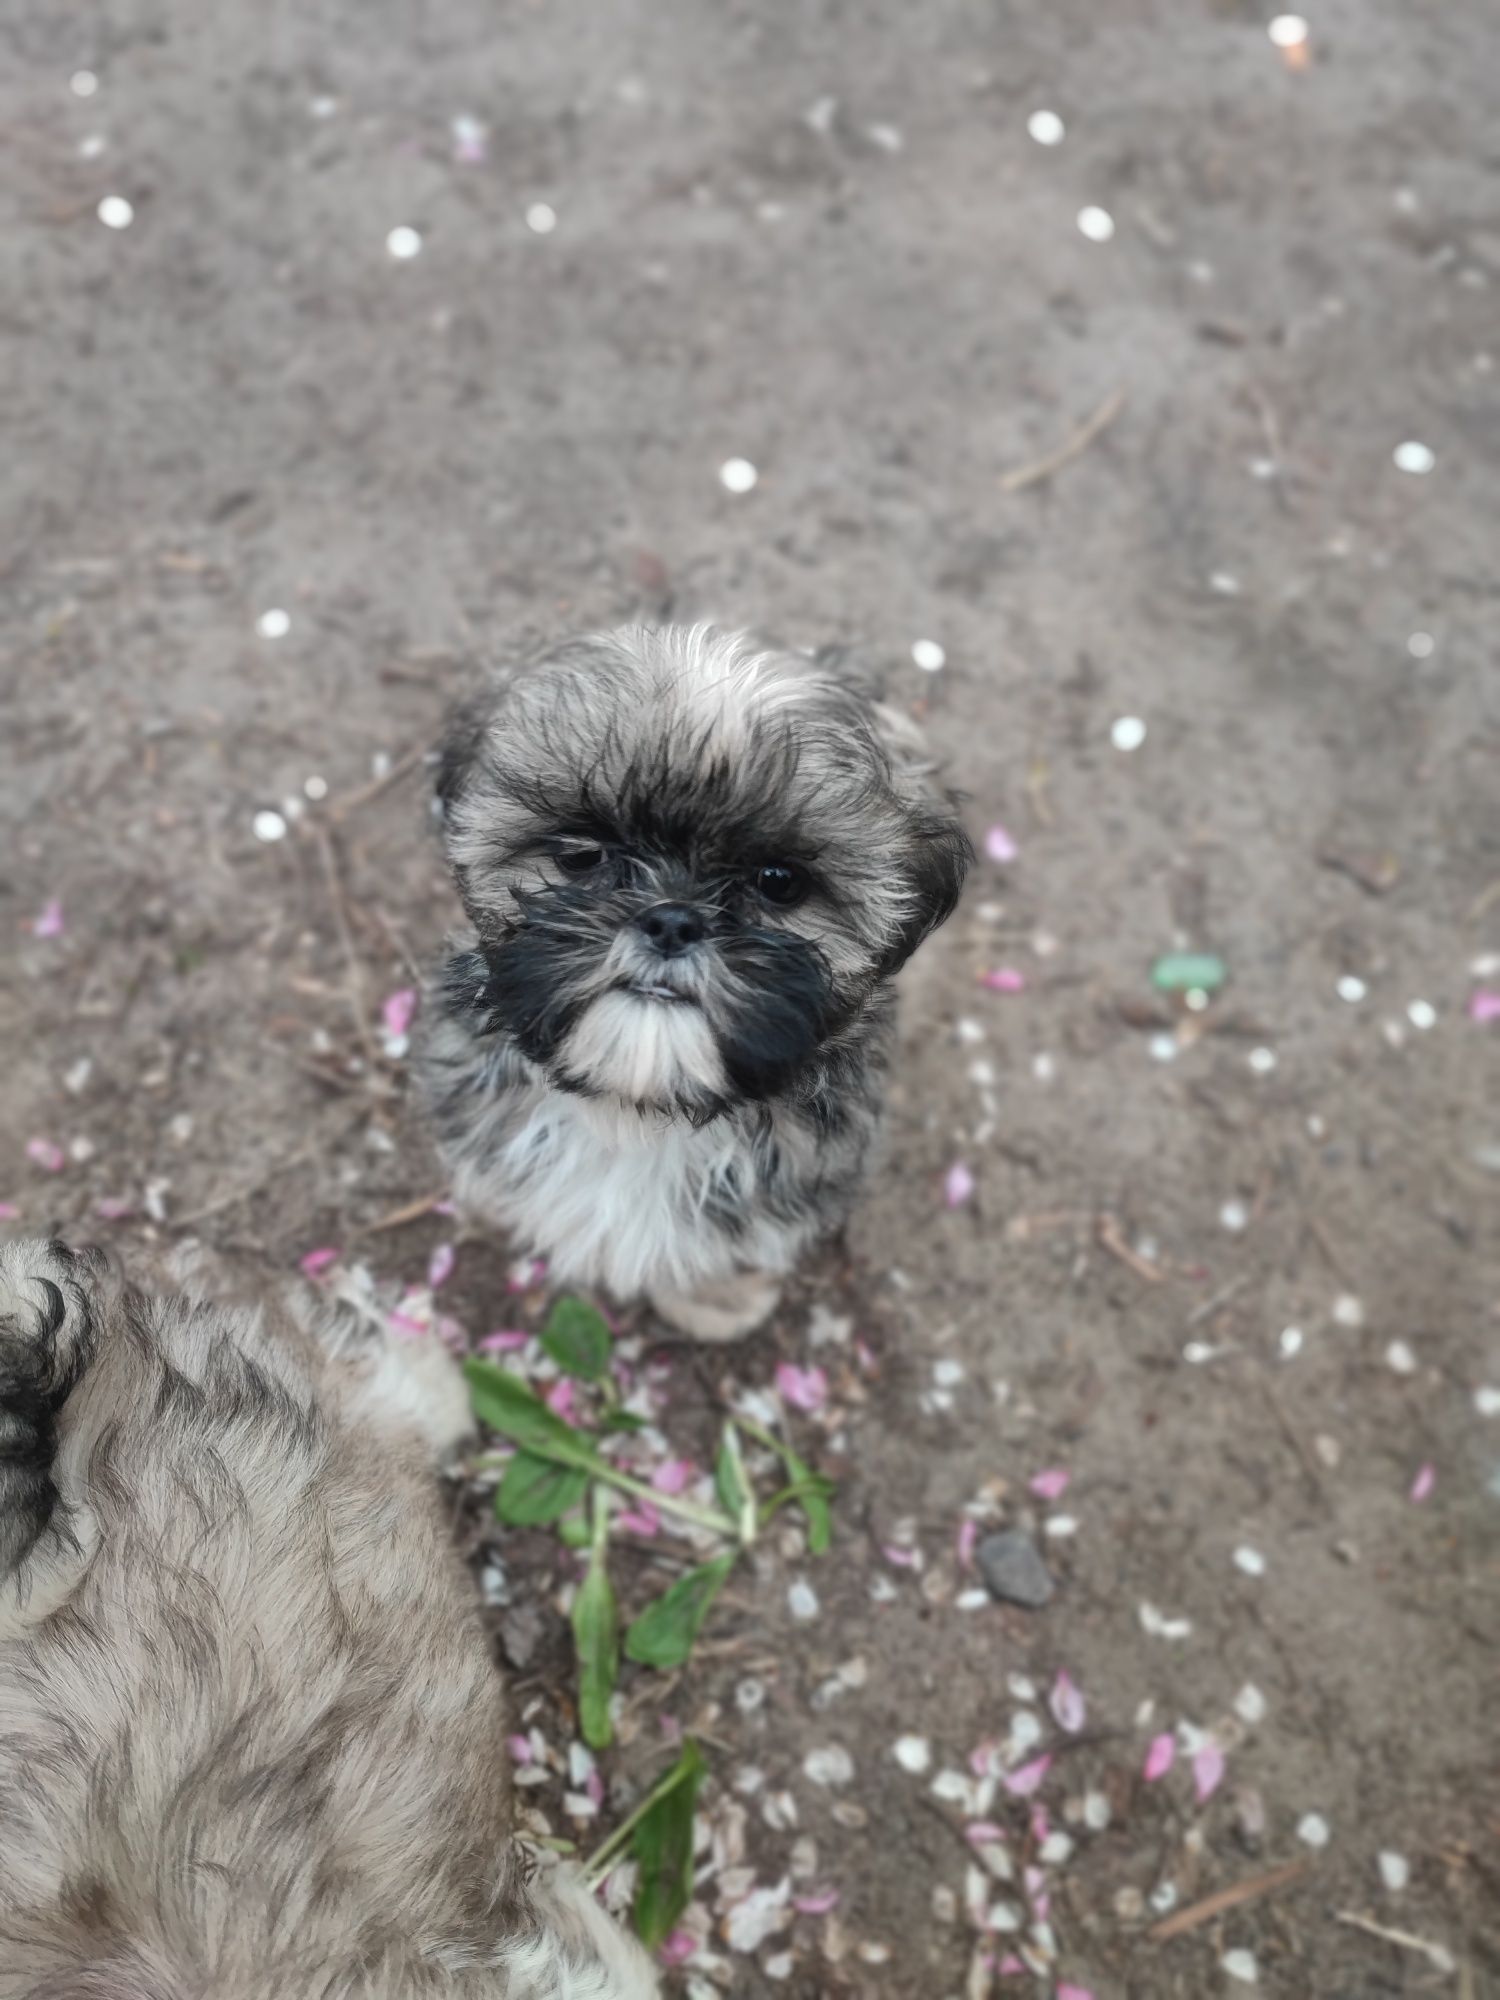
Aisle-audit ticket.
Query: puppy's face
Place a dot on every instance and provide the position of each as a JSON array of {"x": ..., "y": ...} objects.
[{"x": 689, "y": 862}]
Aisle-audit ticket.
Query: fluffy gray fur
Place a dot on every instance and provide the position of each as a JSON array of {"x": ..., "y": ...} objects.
[
  {"x": 252, "y": 1743},
  {"x": 691, "y": 865}
]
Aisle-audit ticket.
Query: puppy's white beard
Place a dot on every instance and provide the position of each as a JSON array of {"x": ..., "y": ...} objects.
[{"x": 649, "y": 1052}]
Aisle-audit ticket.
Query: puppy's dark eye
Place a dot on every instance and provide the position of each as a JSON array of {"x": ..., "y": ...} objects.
[
  {"x": 781, "y": 883},
  {"x": 579, "y": 860}
]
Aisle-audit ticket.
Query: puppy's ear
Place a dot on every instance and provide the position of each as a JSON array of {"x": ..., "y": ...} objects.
[
  {"x": 939, "y": 851},
  {"x": 463, "y": 737}
]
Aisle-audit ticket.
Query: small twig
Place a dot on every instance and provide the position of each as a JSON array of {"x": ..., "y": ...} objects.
[
  {"x": 342, "y": 808},
  {"x": 1293, "y": 1436},
  {"x": 1324, "y": 1242},
  {"x": 249, "y": 1188},
  {"x": 1227, "y": 1899},
  {"x": 1038, "y": 777},
  {"x": 1437, "y": 1955},
  {"x": 1082, "y": 438},
  {"x": 1220, "y": 1298},
  {"x": 354, "y": 968},
  {"x": 1482, "y": 902},
  {"x": 397, "y": 1218},
  {"x": 1107, "y": 1229}
]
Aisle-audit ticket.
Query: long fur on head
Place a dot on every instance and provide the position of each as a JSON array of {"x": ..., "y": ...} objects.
[{"x": 689, "y": 760}]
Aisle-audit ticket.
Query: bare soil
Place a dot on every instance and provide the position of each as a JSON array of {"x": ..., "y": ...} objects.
[{"x": 820, "y": 238}]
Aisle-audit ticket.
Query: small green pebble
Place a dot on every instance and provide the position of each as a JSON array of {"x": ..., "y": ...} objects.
[{"x": 1181, "y": 971}]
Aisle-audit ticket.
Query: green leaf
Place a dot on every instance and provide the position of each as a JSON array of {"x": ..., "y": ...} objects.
[
  {"x": 809, "y": 1489},
  {"x": 663, "y": 1635},
  {"x": 535, "y": 1491},
  {"x": 1182, "y": 971},
  {"x": 596, "y": 1634},
  {"x": 624, "y": 1420},
  {"x": 663, "y": 1846},
  {"x": 573, "y": 1531},
  {"x": 504, "y": 1402},
  {"x": 732, "y": 1484},
  {"x": 578, "y": 1339}
]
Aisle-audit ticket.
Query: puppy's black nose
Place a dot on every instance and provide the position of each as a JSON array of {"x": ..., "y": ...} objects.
[{"x": 673, "y": 927}]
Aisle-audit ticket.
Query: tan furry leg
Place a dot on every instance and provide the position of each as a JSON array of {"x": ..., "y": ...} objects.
[{"x": 726, "y": 1310}]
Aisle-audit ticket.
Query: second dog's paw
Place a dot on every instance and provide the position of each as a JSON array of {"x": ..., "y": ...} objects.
[{"x": 416, "y": 1383}]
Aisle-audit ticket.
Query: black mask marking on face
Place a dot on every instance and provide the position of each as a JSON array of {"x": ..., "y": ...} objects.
[{"x": 781, "y": 1011}]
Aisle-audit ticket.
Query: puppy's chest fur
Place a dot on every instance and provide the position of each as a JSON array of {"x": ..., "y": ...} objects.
[
  {"x": 630, "y": 1200},
  {"x": 625, "y": 1199}
]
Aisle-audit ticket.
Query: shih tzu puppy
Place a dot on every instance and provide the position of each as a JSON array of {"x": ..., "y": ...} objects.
[
  {"x": 691, "y": 865},
  {"x": 252, "y": 1742}
]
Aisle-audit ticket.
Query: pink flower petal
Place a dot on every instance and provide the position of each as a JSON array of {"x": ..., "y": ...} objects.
[
  {"x": 1023, "y": 1782},
  {"x": 399, "y": 1010},
  {"x": 999, "y": 846},
  {"x": 530, "y": 1271},
  {"x": 1051, "y": 1484},
  {"x": 677, "y": 1948},
  {"x": 44, "y": 1154},
  {"x": 640, "y": 1520},
  {"x": 519, "y": 1748},
  {"x": 594, "y": 1785},
  {"x": 113, "y": 1208},
  {"x": 1069, "y": 1709},
  {"x": 983, "y": 1761},
  {"x": 1009, "y": 1966},
  {"x": 560, "y": 1400},
  {"x": 444, "y": 1208},
  {"x": 901, "y": 1558},
  {"x": 48, "y": 921},
  {"x": 1208, "y": 1770},
  {"x": 804, "y": 1388},
  {"x": 675, "y": 1476},
  {"x": 1424, "y": 1482},
  {"x": 316, "y": 1261},
  {"x": 440, "y": 1265},
  {"x": 1069, "y": 1992},
  {"x": 670, "y": 1727},
  {"x": 983, "y": 1832},
  {"x": 1484, "y": 1004},
  {"x": 968, "y": 1535},
  {"x": 818, "y": 1904},
  {"x": 452, "y": 1334},
  {"x": 1160, "y": 1758},
  {"x": 1004, "y": 979},
  {"x": 958, "y": 1185},
  {"x": 866, "y": 1354},
  {"x": 9, "y": 1212},
  {"x": 406, "y": 1328},
  {"x": 505, "y": 1340}
]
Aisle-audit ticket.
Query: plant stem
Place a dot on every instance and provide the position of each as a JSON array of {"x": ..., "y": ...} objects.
[
  {"x": 598, "y": 1862},
  {"x": 600, "y": 1468}
]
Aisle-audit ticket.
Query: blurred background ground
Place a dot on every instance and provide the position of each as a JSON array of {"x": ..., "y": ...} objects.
[{"x": 821, "y": 238}]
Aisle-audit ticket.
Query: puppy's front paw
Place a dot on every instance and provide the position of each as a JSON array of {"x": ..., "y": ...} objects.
[{"x": 726, "y": 1310}]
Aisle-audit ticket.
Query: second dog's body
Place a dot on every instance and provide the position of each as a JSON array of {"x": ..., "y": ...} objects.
[{"x": 252, "y": 1742}]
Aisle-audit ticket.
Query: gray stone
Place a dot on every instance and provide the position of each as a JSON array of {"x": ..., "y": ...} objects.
[{"x": 1013, "y": 1570}]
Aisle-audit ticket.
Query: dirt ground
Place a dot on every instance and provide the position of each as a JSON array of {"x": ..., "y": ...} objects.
[{"x": 820, "y": 238}]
